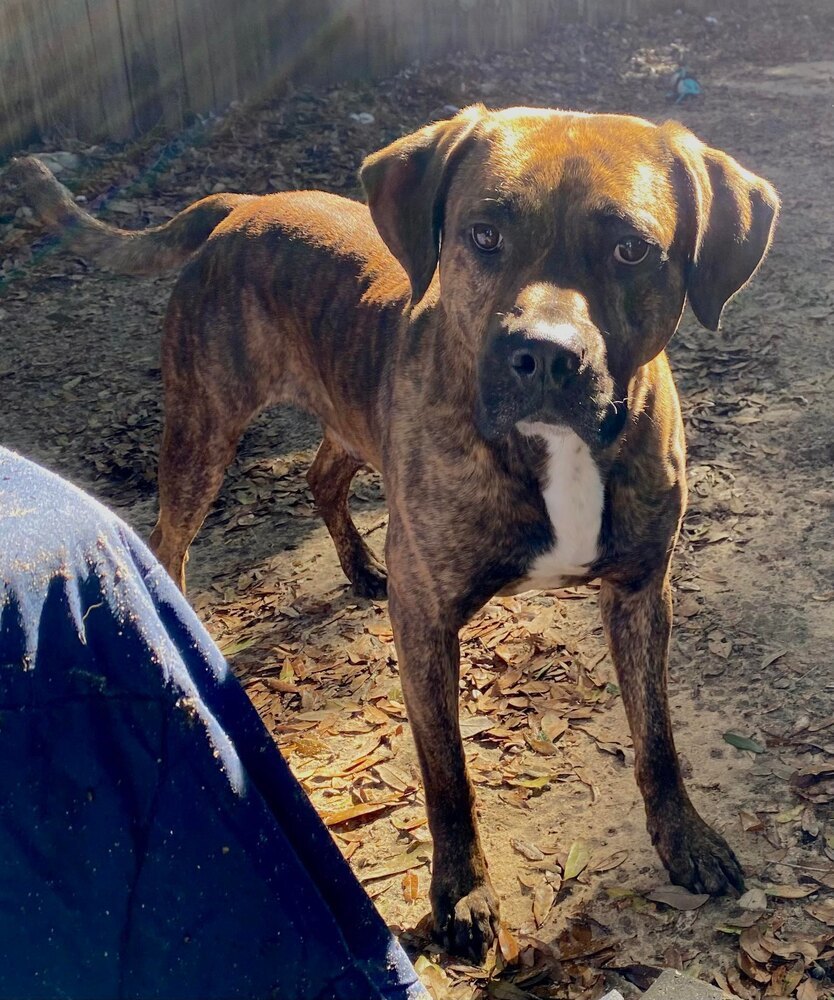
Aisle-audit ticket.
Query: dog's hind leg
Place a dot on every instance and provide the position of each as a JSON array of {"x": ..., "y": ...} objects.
[
  {"x": 329, "y": 478},
  {"x": 198, "y": 443}
]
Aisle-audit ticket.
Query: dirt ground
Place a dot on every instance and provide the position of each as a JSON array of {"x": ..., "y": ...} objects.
[{"x": 547, "y": 740}]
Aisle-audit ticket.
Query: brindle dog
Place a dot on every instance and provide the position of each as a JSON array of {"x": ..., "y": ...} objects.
[{"x": 498, "y": 355}]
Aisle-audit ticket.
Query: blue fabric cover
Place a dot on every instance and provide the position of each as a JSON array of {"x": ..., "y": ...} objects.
[{"x": 153, "y": 842}]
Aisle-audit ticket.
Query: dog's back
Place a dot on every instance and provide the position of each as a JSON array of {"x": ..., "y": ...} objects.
[{"x": 292, "y": 298}]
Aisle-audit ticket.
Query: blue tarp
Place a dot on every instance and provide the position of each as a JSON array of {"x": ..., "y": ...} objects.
[{"x": 153, "y": 842}]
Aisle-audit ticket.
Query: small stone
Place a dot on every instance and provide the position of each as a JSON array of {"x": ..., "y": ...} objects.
[
  {"x": 753, "y": 899},
  {"x": 671, "y": 985},
  {"x": 60, "y": 160}
]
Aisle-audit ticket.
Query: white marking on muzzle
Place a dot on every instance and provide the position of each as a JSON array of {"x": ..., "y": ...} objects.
[{"x": 557, "y": 333}]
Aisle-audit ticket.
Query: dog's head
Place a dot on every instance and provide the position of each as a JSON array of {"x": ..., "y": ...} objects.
[{"x": 567, "y": 245}]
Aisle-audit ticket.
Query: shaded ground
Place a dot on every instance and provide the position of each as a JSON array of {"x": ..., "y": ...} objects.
[{"x": 548, "y": 744}]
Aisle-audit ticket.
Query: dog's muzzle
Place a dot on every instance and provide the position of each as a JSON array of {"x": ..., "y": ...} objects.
[{"x": 544, "y": 378}]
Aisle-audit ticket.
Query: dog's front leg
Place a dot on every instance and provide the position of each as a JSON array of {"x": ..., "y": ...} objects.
[
  {"x": 638, "y": 622},
  {"x": 464, "y": 905}
]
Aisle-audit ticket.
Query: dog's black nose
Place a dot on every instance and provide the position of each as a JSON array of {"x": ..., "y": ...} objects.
[{"x": 550, "y": 361}]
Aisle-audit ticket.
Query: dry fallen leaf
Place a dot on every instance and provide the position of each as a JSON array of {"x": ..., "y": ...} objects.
[
  {"x": 362, "y": 811},
  {"x": 609, "y": 863},
  {"x": 750, "y": 941},
  {"x": 677, "y": 897},
  {"x": 394, "y": 777},
  {"x": 809, "y": 990},
  {"x": 543, "y": 902},
  {"x": 416, "y": 856},
  {"x": 553, "y": 725},
  {"x": 432, "y": 977},
  {"x": 824, "y": 878},
  {"x": 529, "y": 851},
  {"x": 788, "y": 949},
  {"x": 577, "y": 860},
  {"x": 809, "y": 823},
  {"x": 738, "y": 987},
  {"x": 811, "y": 775},
  {"x": 543, "y": 747},
  {"x": 790, "y": 891},
  {"x": 411, "y": 887},
  {"x": 786, "y": 978},
  {"x": 750, "y": 822},
  {"x": 752, "y": 969},
  {"x": 405, "y": 825},
  {"x": 824, "y": 911},
  {"x": 773, "y": 657},
  {"x": 508, "y": 944},
  {"x": 721, "y": 982},
  {"x": 474, "y": 725},
  {"x": 789, "y": 815}
]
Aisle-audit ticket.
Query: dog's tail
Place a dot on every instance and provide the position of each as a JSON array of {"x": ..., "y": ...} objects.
[{"x": 148, "y": 251}]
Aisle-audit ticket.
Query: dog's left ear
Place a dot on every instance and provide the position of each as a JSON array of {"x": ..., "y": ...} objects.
[
  {"x": 734, "y": 212},
  {"x": 406, "y": 185}
]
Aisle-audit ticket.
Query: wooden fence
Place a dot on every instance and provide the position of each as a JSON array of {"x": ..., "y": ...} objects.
[{"x": 109, "y": 69}]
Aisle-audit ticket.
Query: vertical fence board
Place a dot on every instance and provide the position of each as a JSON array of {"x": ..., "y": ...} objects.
[
  {"x": 140, "y": 62},
  {"x": 281, "y": 27},
  {"x": 171, "y": 89},
  {"x": 111, "y": 76},
  {"x": 247, "y": 36},
  {"x": 197, "y": 70},
  {"x": 27, "y": 22},
  {"x": 218, "y": 16},
  {"x": 17, "y": 115}
]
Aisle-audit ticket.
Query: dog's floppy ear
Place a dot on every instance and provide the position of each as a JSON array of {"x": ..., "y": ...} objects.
[
  {"x": 406, "y": 185},
  {"x": 734, "y": 215}
]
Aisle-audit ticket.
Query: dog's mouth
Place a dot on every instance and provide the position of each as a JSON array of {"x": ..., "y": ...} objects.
[{"x": 590, "y": 411}]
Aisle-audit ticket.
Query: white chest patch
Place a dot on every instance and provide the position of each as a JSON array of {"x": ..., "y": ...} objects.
[{"x": 574, "y": 497}]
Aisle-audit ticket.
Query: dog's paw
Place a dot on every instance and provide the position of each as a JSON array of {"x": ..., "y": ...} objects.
[
  {"x": 467, "y": 926},
  {"x": 697, "y": 858},
  {"x": 370, "y": 580}
]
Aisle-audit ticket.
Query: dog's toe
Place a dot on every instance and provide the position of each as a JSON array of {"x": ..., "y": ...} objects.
[
  {"x": 699, "y": 859},
  {"x": 370, "y": 581},
  {"x": 469, "y": 927},
  {"x": 718, "y": 870}
]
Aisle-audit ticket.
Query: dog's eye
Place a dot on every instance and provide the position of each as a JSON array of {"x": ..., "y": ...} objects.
[
  {"x": 632, "y": 250},
  {"x": 486, "y": 238}
]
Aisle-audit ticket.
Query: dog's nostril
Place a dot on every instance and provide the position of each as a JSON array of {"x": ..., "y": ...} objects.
[
  {"x": 523, "y": 362},
  {"x": 565, "y": 365}
]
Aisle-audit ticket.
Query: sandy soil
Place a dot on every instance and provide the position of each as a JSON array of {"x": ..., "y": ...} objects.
[{"x": 550, "y": 753}]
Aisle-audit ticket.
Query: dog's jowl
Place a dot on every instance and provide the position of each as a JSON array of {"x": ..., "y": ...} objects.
[{"x": 489, "y": 333}]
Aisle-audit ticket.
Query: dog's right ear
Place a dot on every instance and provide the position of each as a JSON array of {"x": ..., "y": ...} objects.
[{"x": 406, "y": 185}]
